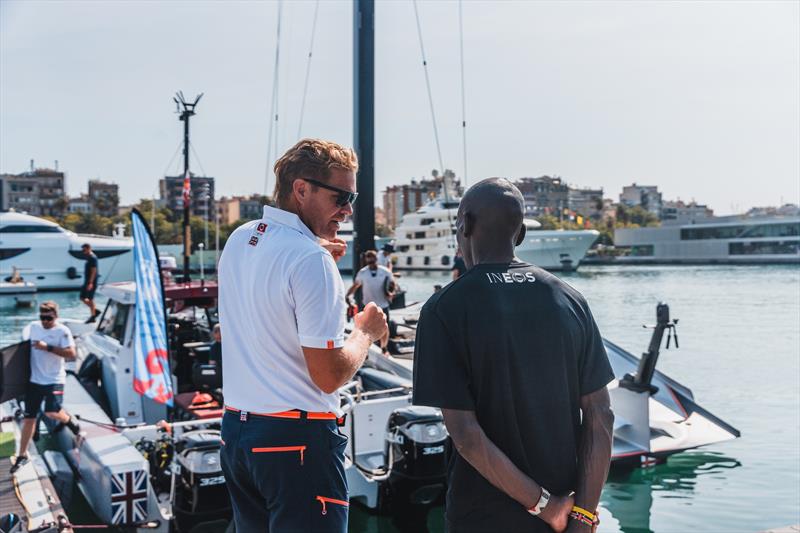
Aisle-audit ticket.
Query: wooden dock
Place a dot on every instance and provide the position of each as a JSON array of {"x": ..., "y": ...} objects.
[{"x": 29, "y": 493}]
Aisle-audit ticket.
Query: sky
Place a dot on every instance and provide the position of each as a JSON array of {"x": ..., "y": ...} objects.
[{"x": 701, "y": 99}]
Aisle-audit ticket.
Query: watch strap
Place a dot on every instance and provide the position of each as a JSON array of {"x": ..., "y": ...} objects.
[{"x": 544, "y": 498}]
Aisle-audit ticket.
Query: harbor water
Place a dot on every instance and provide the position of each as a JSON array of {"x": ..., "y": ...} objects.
[{"x": 739, "y": 332}]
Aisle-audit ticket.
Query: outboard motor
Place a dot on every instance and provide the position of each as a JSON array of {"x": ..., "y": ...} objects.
[
  {"x": 201, "y": 494},
  {"x": 417, "y": 447}
]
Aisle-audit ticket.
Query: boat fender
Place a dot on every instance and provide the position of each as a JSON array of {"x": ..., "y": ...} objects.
[
  {"x": 91, "y": 369},
  {"x": 72, "y": 273},
  {"x": 60, "y": 474}
]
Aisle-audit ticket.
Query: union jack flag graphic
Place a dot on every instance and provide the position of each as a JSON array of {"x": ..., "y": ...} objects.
[{"x": 129, "y": 497}]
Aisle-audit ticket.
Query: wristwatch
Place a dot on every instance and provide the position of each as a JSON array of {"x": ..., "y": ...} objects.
[{"x": 541, "y": 504}]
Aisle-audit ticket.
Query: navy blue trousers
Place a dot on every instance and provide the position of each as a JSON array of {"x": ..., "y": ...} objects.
[{"x": 285, "y": 475}]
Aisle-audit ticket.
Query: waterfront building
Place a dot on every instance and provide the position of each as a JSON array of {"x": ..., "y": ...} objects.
[
  {"x": 231, "y": 209},
  {"x": 544, "y": 195},
  {"x": 401, "y": 199},
  {"x": 678, "y": 212},
  {"x": 786, "y": 210},
  {"x": 38, "y": 192},
  {"x": 171, "y": 190},
  {"x": 79, "y": 204},
  {"x": 586, "y": 202},
  {"x": 733, "y": 239},
  {"x": 104, "y": 197},
  {"x": 644, "y": 196},
  {"x": 228, "y": 210},
  {"x": 252, "y": 207}
]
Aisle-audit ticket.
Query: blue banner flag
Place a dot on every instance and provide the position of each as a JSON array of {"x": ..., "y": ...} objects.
[{"x": 151, "y": 374}]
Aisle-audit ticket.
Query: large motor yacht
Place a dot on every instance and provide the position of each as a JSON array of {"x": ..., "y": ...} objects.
[
  {"x": 50, "y": 256},
  {"x": 426, "y": 240}
]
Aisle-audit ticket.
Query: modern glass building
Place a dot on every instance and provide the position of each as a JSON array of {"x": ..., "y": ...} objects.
[{"x": 723, "y": 240}]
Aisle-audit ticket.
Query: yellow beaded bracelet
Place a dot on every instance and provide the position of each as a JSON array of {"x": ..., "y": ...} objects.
[{"x": 584, "y": 512}]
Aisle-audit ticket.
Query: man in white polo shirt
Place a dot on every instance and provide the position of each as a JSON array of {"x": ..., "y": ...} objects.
[
  {"x": 282, "y": 312},
  {"x": 51, "y": 345},
  {"x": 376, "y": 282}
]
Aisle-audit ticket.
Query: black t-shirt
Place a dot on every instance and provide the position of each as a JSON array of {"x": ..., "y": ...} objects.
[
  {"x": 519, "y": 347},
  {"x": 91, "y": 262}
]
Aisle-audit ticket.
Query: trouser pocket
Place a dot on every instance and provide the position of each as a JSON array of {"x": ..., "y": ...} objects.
[
  {"x": 325, "y": 501},
  {"x": 301, "y": 450}
]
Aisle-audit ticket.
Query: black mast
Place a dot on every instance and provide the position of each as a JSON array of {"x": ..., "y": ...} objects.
[
  {"x": 364, "y": 126},
  {"x": 188, "y": 111}
]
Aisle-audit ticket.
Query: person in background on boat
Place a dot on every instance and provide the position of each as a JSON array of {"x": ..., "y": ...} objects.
[
  {"x": 90, "y": 275},
  {"x": 51, "y": 345},
  {"x": 524, "y": 393},
  {"x": 376, "y": 282},
  {"x": 385, "y": 256},
  {"x": 282, "y": 310},
  {"x": 459, "y": 267},
  {"x": 215, "y": 351}
]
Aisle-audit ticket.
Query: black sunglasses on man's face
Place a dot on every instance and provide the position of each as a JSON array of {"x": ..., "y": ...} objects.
[
  {"x": 345, "y": 197},
  {"x": 46, "y": 318}
]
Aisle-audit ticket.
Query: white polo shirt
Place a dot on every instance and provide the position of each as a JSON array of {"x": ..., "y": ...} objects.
[
  {"x": 373, "y": 285},
  {"x": 279, "y": 290},
  {"x": 48, "y": 368}
]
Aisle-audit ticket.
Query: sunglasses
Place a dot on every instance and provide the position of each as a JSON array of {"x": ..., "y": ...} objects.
[
  {"x": 344, "y": 197},
  {"x": 46, "y": 318}
]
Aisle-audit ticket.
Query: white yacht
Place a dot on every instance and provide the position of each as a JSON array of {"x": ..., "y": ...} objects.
[
  {"x": 50, "y": 256},
  {"x": 426, "y": 240}
]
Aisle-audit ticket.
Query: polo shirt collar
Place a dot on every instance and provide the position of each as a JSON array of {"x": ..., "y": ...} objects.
[{"x": 288, "y": 219}]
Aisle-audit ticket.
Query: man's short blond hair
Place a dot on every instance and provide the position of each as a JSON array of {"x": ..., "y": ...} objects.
[
  {"x": 48, "y": 307},
  {"x": 310, "y": 158}
]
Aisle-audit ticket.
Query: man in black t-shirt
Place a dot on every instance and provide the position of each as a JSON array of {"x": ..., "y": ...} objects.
[
  {"x": 90, "y": 275},
  {"x": 514, "y": 359}
]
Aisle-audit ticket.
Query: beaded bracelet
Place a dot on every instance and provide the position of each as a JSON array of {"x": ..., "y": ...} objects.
[
  {"x": 584, "y": 512},
  {"x": 580, "y": 518}
]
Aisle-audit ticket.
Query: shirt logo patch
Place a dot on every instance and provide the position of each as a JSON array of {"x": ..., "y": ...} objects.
[
  {"x": 253, "y": 241},
  {"x": 330, "y": 345},
  {"x": 261, "y": 228},
  {"x": 510, "y": 277}
]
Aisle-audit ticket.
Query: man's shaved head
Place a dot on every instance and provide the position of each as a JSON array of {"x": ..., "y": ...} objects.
[{"x": 490, "y": 220}]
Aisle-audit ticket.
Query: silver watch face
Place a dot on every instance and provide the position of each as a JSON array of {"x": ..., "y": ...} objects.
[
  {"x": 544, "y": 500},
  {"x": 541, "y": 504}
]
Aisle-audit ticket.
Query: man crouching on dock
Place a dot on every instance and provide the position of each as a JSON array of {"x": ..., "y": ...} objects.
[
  {"x": 51, "y": 345},
  {"x": 514, "y": 359},
  {"x": 282, "y": 311}
]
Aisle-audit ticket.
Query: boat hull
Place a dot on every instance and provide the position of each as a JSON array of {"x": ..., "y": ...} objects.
[{"x": 553, "y": 250}]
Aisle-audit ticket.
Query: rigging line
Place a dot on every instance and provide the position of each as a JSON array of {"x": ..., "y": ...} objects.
[
  {"x": 463, "y": 91},
  {"x": 177, "y": 149},
  {"x": 197, "y": 157},
  {"x": 277, "y": 77},
  {"x": 435, "y": 129},
  {"x": 428, "y": 85},
  {"x": 273, "y": 114},
  {"x": 308, "y": 69}
]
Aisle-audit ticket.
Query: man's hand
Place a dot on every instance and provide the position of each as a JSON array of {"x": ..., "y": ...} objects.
[
  {"x": 40, "y": 345},
  {"x": 556, "y": 514},
  {"x": 337, "y": 247},
  {"x": 372, "y": 322}
]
